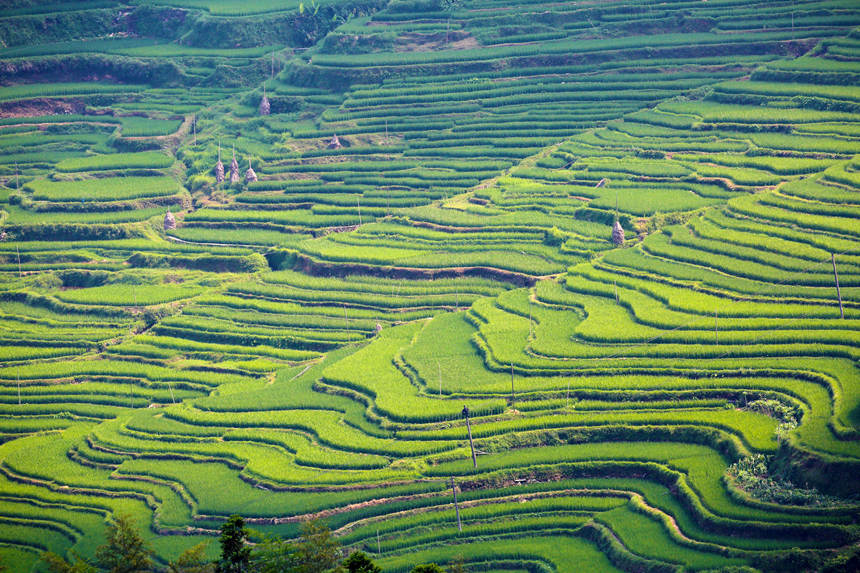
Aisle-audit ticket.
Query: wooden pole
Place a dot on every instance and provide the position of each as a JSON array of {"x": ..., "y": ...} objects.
[
  {"x": 358, "y": 200},
  {"x": 17, "y": 252},
  {"x": 836, "y": 278},
  {"x": 616, "y": 291},
  {"x": 456, "y": 505},
  {"x": 345, "y": 320},
  {"x": 378, "y": 550},
  {"x": 17, "y": 183},
  {"x": 716, "y": 335},
  {"x": 18, "y": 375},
  {"x": 471, "y": 443},
  {"x": 530, "y": 314},
  {"x": 439, "y": 366},
  {"x": 512, "y": 383}
]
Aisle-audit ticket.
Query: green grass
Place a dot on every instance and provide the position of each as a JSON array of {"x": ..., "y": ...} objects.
[
  {"x": 128, "y": 295},
  {"x": 111, "y": 189},
  {"x": 146, "y": 159}
]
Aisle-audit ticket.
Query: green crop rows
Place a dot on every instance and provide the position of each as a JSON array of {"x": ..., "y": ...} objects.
[{"x": 423, "y": 221}]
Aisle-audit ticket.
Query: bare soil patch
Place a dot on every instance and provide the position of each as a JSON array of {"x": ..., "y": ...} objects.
[{"x": 41, "y": 106}]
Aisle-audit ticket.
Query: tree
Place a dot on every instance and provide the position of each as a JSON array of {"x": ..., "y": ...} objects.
[
  {"x": 192, "y": 560},
  {"x": 359, "y": 562},
  {"x": 235, "y": 555},
  {"x": 317, "y": 550},
  {"x": 427, "y": 568},
  {"x": 456, "y": 565},
  {"x": 125, "y": 550},
  {"x": 449, "y": 6},
  {"x": 274, "y": 555},
  {"x": 59, "y": 564}
]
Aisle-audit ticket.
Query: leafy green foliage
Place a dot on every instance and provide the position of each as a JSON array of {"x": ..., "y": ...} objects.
[
  {"x": 427, "y": 568},
  {"x": 192, "y": 560},
  {"x": 235, "y": 554},
  {"x": 753, "y": 476},
  {"x": 317, "y": 550},
  {"x": 359, "y": 562}
]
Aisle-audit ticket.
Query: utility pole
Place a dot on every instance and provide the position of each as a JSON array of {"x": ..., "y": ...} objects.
[
  {"x": 716, "y": 336},
  {"x": 18, "y": 375},
  {"x": 17, "y": 182},
  {"x": 17, "y": 252},
  {"x": 194, "y": 128},
  {"x": 838, "y": 293},
  {"x": 378, "y": 550},
  {"x": 471, "y": 443},
  {"x": 615, "y": 283},
  {"x": 456, "y": 506},
  {"x": 512, "y": 383},
  {"x": 358, "y": 200}
]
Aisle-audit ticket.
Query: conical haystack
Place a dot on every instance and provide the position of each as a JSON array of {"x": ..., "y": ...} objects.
[
  {"x": 617, "y": 234},
  {"x": 169, "y": 221},
  {"x": 334, "y": 143},
  {"x": 234, "y": 169},
  {"x": 219, "y": 167},
  {"x": 250, "y": 176}
]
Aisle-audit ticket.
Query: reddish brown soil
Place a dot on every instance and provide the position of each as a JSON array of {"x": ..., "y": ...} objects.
[{"x": 41, "y": 106}]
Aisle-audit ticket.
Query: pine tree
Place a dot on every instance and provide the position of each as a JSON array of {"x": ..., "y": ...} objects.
[
  {"x": 125, "y": 550},
  {"x": 235, "y": 554}
]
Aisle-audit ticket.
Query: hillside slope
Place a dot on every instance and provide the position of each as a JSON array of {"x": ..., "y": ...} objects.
[{"x": 420, "y": 219}]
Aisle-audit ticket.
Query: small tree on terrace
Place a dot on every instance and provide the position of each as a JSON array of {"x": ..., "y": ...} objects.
[
  {"x": 274, "y": 555},
  {"x": 235, "y": 554},
  {"x": 192, "y": 560},
  {"x": 317, "y": 550},
  {"x": 456, "y": 565},
  {"x": 125, "y": 550},
  {"x": 58, "y": 564},
  {"x": 449, "y": 7},
  {"x": 359, "y": 562}
]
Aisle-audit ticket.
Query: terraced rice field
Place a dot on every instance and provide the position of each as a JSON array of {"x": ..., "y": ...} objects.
[{"x": 423, "y": 223}]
